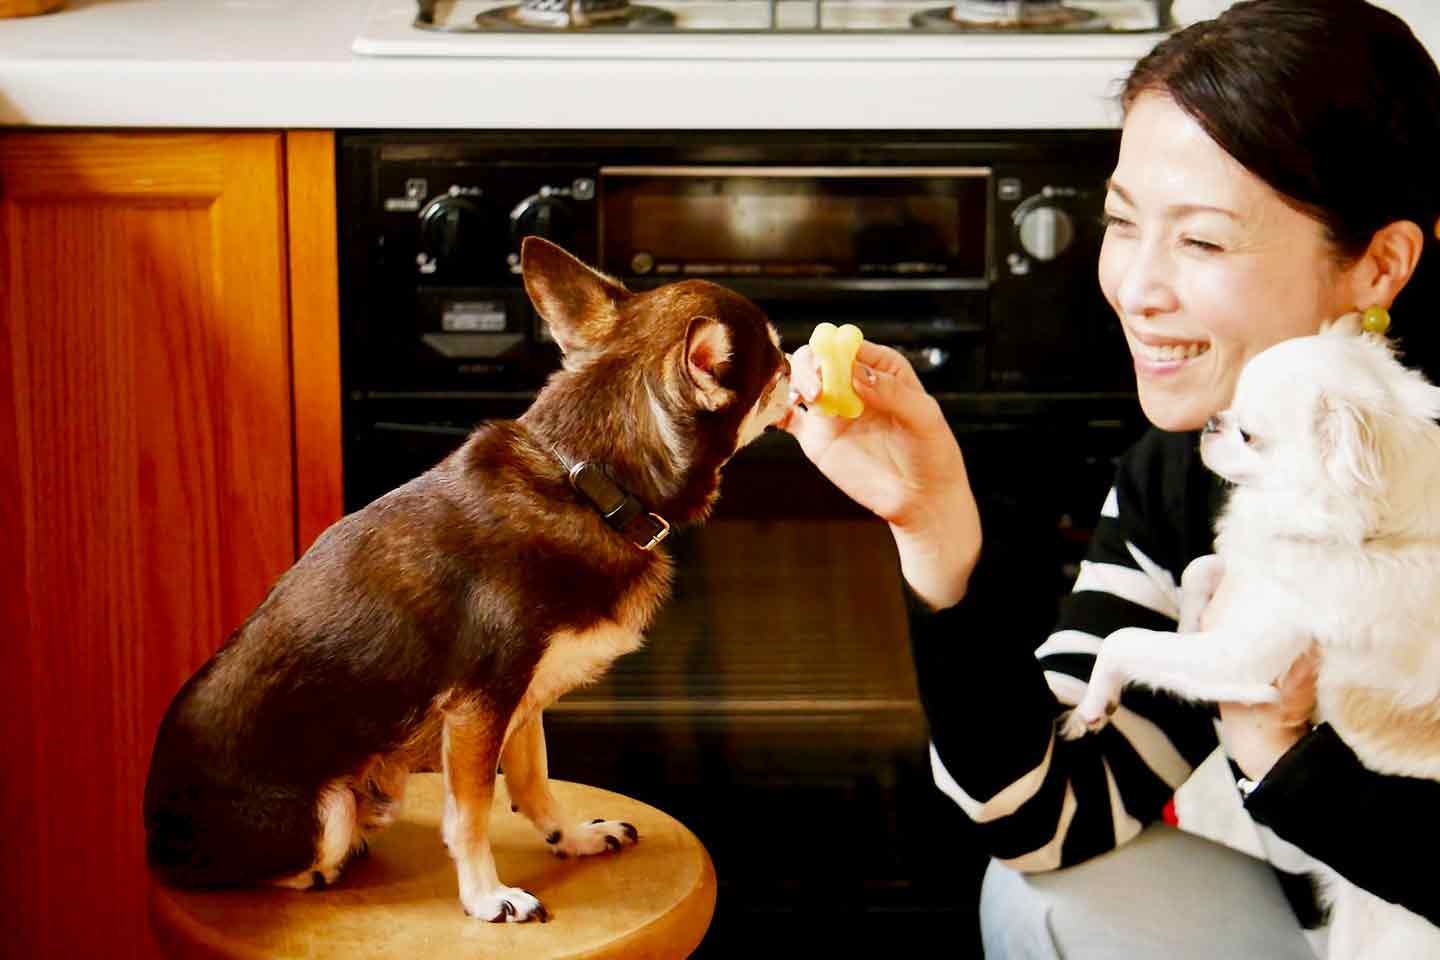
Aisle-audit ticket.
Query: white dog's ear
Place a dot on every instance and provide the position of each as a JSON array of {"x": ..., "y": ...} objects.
[{"x": 1349, "y": 444}]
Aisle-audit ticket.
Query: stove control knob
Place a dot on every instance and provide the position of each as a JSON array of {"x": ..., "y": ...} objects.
[
  {"x": 458, "y": 232},
  {"x": 543, "y": 214},
  {"x": 1046, "y": 230}
]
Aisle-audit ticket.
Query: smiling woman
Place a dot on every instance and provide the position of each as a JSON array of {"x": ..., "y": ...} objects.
[
  {"x": 1211, "y": 202},
  {"x": 1193, "y": 246},
  {"x": 1275, "y": 171}
]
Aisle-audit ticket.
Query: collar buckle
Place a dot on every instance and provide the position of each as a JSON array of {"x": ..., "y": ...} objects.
[
  {"x": 618, "y": 506},
  {"x": 662, "y": 531}
]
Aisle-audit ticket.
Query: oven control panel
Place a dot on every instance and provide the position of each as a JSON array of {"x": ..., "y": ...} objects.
[{"x": 973, "y": 255}]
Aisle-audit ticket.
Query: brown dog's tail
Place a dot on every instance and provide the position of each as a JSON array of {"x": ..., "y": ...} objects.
[
  {"x": 210, "y": 821},
  {"x": 203, "y": 834}
]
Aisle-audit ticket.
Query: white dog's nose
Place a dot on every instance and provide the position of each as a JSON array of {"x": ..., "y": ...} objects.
[{"x": 1213, "y": 425}]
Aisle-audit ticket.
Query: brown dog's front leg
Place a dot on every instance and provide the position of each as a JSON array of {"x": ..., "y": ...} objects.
[
  {"x": 472, "y": 737},
  {"x": 527, "y": 775}
]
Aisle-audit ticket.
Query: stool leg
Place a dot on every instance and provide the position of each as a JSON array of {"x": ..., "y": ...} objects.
[
  {"x": 471, "y": 747},
  {"x": 527, "y": 775}
]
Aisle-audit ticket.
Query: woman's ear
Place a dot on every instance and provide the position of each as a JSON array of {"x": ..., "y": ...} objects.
[{"x": 1387, "y": 264}]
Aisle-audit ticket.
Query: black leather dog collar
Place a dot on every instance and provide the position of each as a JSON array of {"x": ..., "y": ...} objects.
[{"x": 618, "y": 506}]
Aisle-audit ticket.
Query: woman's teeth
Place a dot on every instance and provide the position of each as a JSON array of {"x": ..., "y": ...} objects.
[{"x": 1171, "y": 352}]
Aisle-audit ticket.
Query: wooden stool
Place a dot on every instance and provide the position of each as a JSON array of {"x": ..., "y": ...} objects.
[{"x": 653, "y": 900}]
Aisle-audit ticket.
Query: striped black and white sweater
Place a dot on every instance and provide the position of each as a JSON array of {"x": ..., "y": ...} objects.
[{"x": 1040, "y": 802}]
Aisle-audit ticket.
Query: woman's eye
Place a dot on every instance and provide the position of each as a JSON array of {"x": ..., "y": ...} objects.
[
  {"x": 1204, "y": 246},
  {"x": 1108, "y": 220}
]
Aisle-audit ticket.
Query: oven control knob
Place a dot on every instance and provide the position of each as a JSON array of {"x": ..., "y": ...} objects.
[
  {"x": 456, "y": 231},
  {"x": 542, "y": 215},
  {"x": 1045, "y": 229}
]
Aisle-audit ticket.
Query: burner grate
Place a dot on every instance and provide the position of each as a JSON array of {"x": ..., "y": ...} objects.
[
  {"x": 1031, "y": 17},
  {"x": 1006, "y": 15},
  {"x": 574, "y": 15}
]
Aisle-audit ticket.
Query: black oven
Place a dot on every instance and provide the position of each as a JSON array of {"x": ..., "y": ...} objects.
[{"x": 773, "y": 708}]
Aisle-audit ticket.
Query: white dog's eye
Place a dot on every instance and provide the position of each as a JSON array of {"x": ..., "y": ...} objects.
[{"x": 1245, "y": 436}]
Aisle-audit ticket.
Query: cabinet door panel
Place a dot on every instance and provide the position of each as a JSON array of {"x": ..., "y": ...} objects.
[{"x": 146, "y": 480}]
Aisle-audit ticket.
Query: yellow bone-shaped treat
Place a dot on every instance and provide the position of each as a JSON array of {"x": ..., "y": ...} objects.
[{"x": 835, "y": 349}]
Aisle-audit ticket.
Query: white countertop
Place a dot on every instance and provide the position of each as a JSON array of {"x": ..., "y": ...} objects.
[{"x": 292, "y": 63}]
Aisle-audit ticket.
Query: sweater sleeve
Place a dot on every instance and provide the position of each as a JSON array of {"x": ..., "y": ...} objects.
[
  {"x": 992, "y": 698},
  {"x": 1371, "y": 828}
]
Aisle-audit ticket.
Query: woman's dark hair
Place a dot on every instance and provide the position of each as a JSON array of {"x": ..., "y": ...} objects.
[{"x": 1336, "y": 105}]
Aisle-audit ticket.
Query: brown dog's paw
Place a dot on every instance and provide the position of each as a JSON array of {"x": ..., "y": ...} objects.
[
  {"x": 505, "y": 905},
  {"x": 597, "y": 836}
]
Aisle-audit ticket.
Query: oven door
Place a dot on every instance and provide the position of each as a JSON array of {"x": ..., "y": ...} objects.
[
  {"x": 872, "y": 224},
  {"x": 773, "y": 708}
]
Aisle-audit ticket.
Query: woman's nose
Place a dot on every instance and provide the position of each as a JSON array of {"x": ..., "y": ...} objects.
[{"x": 1147, "y": 285}]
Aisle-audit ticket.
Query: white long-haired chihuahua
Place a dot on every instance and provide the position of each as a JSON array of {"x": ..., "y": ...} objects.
[{"x": 1330, "y": 536}]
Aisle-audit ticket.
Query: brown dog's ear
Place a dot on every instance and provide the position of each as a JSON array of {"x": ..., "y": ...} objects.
[
  {"x": 580, "y": 305},
  {"x": 707, "y": 357}
]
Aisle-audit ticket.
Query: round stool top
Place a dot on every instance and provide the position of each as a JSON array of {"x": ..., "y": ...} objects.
[{"x": 652, "y": 900}]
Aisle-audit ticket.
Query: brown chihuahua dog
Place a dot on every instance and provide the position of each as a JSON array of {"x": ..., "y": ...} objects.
[{"x": 451, "y": 611}]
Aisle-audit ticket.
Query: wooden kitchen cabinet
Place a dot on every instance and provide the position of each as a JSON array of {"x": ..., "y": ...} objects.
[{"x": 169, "y": 439}]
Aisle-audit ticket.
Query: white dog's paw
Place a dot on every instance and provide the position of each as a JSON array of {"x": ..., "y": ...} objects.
[
  {"x": 505, "y": 905},
  {"x": 1076, "y": 723},
  {"x": 587, "y": 839},
  {"x": 1198, "y": 585},
  {"x": 1259, "y": 694}
]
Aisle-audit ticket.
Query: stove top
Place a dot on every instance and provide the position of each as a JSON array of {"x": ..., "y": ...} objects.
[{"x": 574, "y": 27}]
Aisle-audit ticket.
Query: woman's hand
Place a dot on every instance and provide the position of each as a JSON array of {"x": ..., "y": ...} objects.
[
  {"x": 1257, "y": 735},
  {"x": 898, "y": 459}
]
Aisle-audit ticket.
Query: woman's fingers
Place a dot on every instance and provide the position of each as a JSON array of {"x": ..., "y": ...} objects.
[
  {"x": 882, "y": 378},
  {"x": 893, "y": 393},
  {"x": 887, "y": 360},
  {"x": 1297, "y": 689},
  {"x": 805, "y": 374},
  {"x": 793, "y": 422}
]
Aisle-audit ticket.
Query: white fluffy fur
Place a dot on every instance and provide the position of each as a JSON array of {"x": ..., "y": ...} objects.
[{"x": 1331, "y": 536}]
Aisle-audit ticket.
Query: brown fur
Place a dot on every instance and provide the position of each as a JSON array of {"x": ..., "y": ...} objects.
[
  {"x": 458, "y": 606},
  {"x": 1374, "y": 720}
]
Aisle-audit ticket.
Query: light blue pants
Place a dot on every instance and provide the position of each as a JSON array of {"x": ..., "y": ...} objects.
[{"x": 1166, "y": 895}]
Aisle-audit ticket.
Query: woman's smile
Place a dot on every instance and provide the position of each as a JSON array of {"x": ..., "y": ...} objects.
[{"x": 1159, "y": 359}]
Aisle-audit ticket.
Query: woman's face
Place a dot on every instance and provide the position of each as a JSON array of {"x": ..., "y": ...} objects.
[{"x": 1205, "y": 264}]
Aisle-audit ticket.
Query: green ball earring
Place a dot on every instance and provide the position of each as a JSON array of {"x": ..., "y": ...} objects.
[{"x": 1376, "y": 320}]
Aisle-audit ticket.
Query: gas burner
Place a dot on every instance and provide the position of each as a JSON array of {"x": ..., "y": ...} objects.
[
  {"x": 1004, "y": 15},
  {"x": 574, "y": 15}
]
